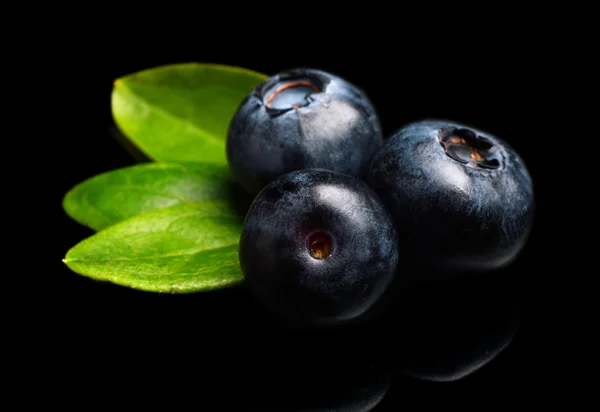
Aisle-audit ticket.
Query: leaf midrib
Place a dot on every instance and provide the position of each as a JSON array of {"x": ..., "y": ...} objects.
[
  {"x": 154, "y": 192},
  {"x": 123, "y": 259},
  {"x": 202, "y": 132}
]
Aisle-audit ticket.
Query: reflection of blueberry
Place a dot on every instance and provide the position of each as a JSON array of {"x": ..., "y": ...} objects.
[
  {"x": 462, "y": 199},
  {"x": 459, "y": 327},
  {"x": 344, "y": 372},
  {"x": 301, "y": 119},
  {"x": 318, "y": 246}
]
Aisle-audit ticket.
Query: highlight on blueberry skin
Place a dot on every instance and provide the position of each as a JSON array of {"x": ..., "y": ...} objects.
[
  {"x": 318, "y": 247},
  {"x": 300, "y": 119},
  {"x": 462, "y": 198}
]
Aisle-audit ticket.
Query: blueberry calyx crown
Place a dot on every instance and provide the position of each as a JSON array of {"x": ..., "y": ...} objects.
[
  {"x": 285, "y": 93},
  {"x": 319, "y": 244},
  {"x": 470, "y": 149}
]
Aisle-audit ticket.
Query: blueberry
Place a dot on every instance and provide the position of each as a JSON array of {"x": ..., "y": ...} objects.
[
  {"x": 300, "y": 119},
  {"x": 462, "y": 199},
  {"x": 318, "y": 247}
]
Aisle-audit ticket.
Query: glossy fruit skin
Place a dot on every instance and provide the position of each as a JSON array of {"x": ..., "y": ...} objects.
[
  {"x": 278, "y": 267},
  {"x": 336, "y": 128},
  {"x": 449, "y": 215}
]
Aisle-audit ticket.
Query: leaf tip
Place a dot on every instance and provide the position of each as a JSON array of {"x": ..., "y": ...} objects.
[
  {"x": 64, "y": 261},
  {"x": 117, "y": 82}
]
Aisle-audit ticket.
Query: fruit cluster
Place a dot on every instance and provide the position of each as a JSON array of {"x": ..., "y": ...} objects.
[{"x": 339, "y": 211}]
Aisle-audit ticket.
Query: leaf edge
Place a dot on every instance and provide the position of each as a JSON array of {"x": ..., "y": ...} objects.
[
  {"x": 171, "y": 291},
  {"x": 140, "y": 286},
  {"x": 189, "y": 64}
]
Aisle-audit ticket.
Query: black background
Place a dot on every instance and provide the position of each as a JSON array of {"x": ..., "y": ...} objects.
[{"x": 219, "y": 348}]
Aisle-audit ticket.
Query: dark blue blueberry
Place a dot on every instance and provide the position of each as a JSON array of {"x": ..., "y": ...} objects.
[
  {"x": 462, "y": 199},
  {"x": 301, "y": 119},
  {"x": 318, "y": 247}
]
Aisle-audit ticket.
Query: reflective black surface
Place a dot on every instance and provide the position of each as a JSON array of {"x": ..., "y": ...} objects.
[
  {"x": 460, "y": 327},
  {"x": 437, "y": 341}
]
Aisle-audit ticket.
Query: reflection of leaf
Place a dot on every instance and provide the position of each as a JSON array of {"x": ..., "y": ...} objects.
[
  {"x": 181, "y": 112},
  {"x": 189, "y": 247},
  {"x": 114, "y": 196}
]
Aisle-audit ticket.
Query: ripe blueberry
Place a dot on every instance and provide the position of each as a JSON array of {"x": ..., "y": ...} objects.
[
  {"x": 462, "y": 199},
  {"x": 318, "y": 247},
  {"x": 300, "y": 119}
]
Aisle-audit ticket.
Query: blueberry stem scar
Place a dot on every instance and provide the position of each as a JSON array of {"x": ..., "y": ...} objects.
[
  {"x": 319, "y": 244},
  {"x": 466, "y": 147},
  {"x": 285, "y": 86}
]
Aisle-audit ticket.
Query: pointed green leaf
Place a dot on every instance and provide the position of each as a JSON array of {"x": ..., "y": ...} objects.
[
  {"x": 186, "y": 248},
  {"x": 112, "y": 197},
  {"x": 181, "y": 112}
]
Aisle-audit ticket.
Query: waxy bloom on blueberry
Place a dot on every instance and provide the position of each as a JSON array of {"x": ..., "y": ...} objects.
[
  {"x": 462, "y": 198},
  {"x": 318, "y": 247},
  {"x": 301, "y": 119}
]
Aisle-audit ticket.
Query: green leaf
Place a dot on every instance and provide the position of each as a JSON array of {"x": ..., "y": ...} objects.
[
  {"x": 181, "y": 112},
  {"x": 112, "y": 197},
  {"x": 186, "y": 248}
]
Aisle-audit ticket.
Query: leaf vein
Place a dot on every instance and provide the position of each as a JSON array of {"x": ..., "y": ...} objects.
[
  {"x": 151, "y": 190},
  {"x": 155, "y": 257}
]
